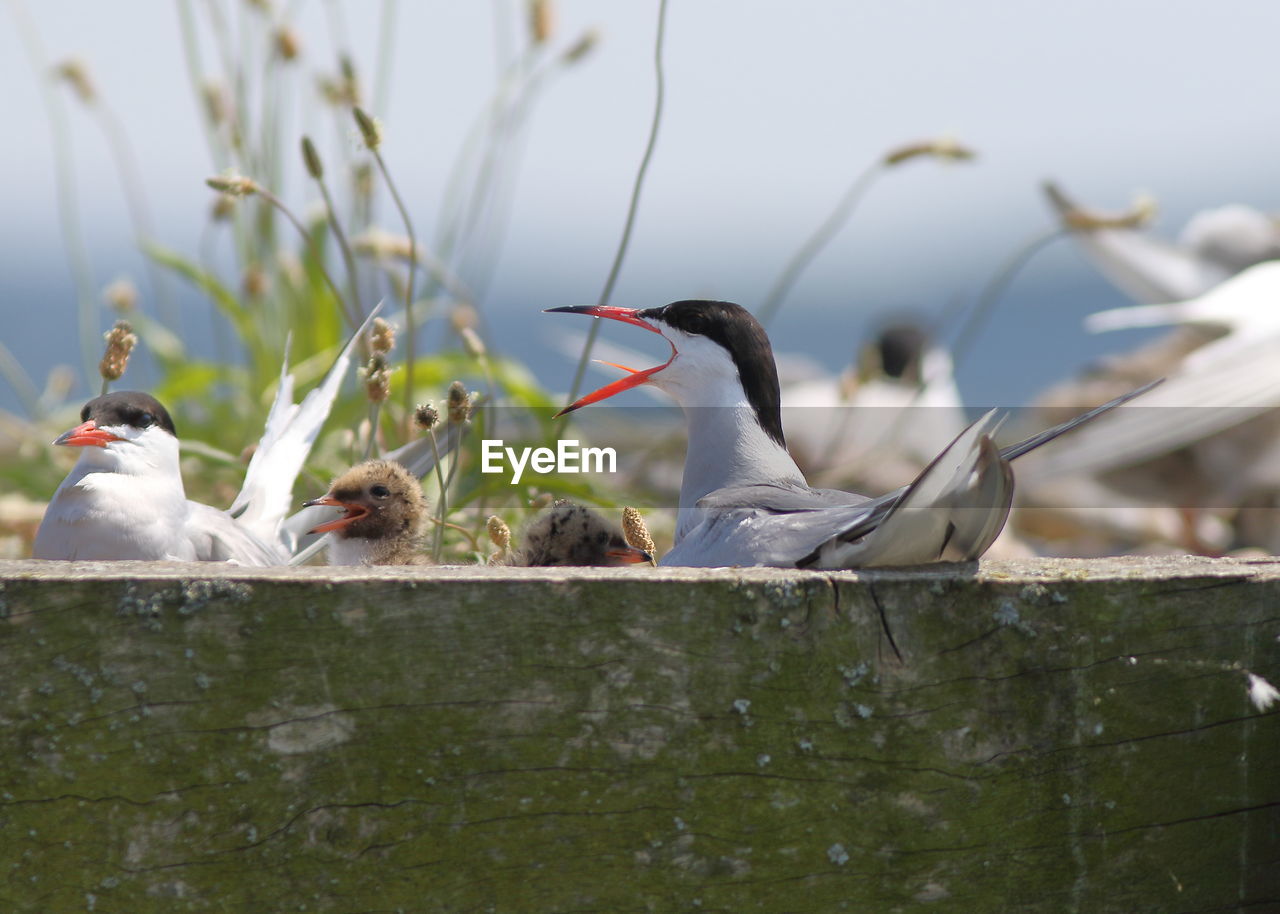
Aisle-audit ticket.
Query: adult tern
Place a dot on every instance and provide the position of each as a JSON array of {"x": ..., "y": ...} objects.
[{"x": 743, "y": 500}]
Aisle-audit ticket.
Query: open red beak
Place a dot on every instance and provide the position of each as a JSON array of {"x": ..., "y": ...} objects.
[
  {"x": 354, "y": 513},
  {"x": 635, "y": 377},
  {"x": 87, "y": 434}
]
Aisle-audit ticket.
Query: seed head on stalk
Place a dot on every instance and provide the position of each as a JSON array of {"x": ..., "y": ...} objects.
[
  {"x": 636, "y": 531},
  {"x": 499, "y": 535},
  {"x": 120, "y": 342}
]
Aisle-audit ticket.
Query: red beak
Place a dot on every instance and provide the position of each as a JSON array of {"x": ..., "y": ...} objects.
[
  {"x": 87, "y": 434},
  {"x": 635, "y": 377},
  {"x": 354, "y": 513},
  {"x": 627, "y": 555}
]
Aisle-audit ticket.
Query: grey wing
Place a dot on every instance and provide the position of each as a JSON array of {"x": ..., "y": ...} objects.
[
  {"x": 218, "y": 537},
  {"x": 779, "y": 498},
  {"x": 722, "y": 537},
  {"x": 953, "y": 511}
]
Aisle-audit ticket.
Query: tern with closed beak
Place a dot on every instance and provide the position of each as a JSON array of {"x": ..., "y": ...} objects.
[
  {"x": 124, "y": 498},
  {"x": 743, "y": 500}
]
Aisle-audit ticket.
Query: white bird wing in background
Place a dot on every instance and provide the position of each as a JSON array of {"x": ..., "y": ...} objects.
[
  {"x": 1247, "y": 306},
  {"x": 1144, "y": 267},
  {"x": 1218, "y": 386},
  {"x": 1224, "y": 386}
]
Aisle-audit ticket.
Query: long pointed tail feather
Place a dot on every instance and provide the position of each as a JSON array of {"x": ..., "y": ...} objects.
[
  {"x": 1014, "y": 451},
  {"x": 953, "y": 510}
]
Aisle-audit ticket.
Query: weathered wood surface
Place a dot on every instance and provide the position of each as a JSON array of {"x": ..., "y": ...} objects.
[{"x": 1054, "y": 736}]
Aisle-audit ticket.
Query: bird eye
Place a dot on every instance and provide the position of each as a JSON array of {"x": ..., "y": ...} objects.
[
  {"x": 84, "y": 413},
  {"x": 380, "y": 491},
  {"x": 146, "y": 420}
]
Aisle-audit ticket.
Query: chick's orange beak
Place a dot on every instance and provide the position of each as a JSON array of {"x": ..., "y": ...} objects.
[
  {"x": 354, "y": 513},
  {"x": 627, "y": 555}
]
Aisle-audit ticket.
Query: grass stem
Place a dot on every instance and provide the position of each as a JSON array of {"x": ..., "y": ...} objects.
[
  {"x": 410, "y": 328},
  {"x": 64, "y": 181},
  {"x": 386, "y": 47},
  {"x": 986, "y": 301},
  {"x": 821, "y": 236},
  {"x": 633, "y": 206},
  {"x": 443, "y": 507},
  {"x": 315, "y": 251}
]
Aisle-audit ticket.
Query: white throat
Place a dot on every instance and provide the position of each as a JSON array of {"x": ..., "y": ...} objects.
[
  {"x": 727, "y": 446},
  {"x": 151, "y": 453},
  {"x": 354, "y": 550},
  {"x": 120, "y": 502}
]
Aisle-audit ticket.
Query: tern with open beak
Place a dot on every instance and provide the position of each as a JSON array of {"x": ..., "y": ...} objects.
[{"x": 743, "y": 500}]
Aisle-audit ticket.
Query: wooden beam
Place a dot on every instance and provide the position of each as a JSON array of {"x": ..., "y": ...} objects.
[{"x": 1032, "y": 736}]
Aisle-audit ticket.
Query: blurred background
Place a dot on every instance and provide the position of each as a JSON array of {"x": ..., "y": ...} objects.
[
  {"x": 771, "y": 111},
  {"x": 514, "y": 131}
]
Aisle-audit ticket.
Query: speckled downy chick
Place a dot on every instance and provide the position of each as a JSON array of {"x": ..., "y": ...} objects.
[
  {"x": 385, "y": 510},
  {"x": 570, "y": 534}
]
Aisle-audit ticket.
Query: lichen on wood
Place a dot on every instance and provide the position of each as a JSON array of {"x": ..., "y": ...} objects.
[{"x": 1033, "y": 736}]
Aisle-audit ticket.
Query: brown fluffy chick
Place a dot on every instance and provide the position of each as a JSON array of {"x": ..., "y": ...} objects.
[
  {"x": 385, "y": 510},
  {"x": 570, "y": 534}
]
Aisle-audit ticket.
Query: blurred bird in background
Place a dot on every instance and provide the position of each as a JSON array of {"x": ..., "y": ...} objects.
[{"x": 1206, "y": 444}]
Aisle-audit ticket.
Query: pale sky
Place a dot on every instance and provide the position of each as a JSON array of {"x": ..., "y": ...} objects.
[{"x": 772, "y": 109}]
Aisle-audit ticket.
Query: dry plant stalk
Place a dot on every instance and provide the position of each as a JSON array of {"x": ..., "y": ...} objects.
[
  {"x": 1137, "y": 216},
  {"x": 382, "y": 337},
  {"x": 542, "y": 21},
  {"x": 460, "y": 404},
  {"x": 239, "y": 186},
  {"x": 500, "y": 536},
  {"x": 315, "y": 168},
  {"x": 120, "y": 342},
  {"x": 636, "y": 532},
  {"x": 946, "y": 148}
]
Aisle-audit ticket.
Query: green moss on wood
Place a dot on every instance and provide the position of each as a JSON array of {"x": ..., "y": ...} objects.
[{"x": 1035, "y": 736}]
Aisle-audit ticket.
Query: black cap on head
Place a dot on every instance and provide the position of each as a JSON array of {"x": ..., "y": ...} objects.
[
  {"x": 128, "y": 407},
  {"x": 743, "y": 337}
]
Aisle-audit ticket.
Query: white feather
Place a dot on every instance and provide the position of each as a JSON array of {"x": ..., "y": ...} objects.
[{"x": 290, "y": 432}]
